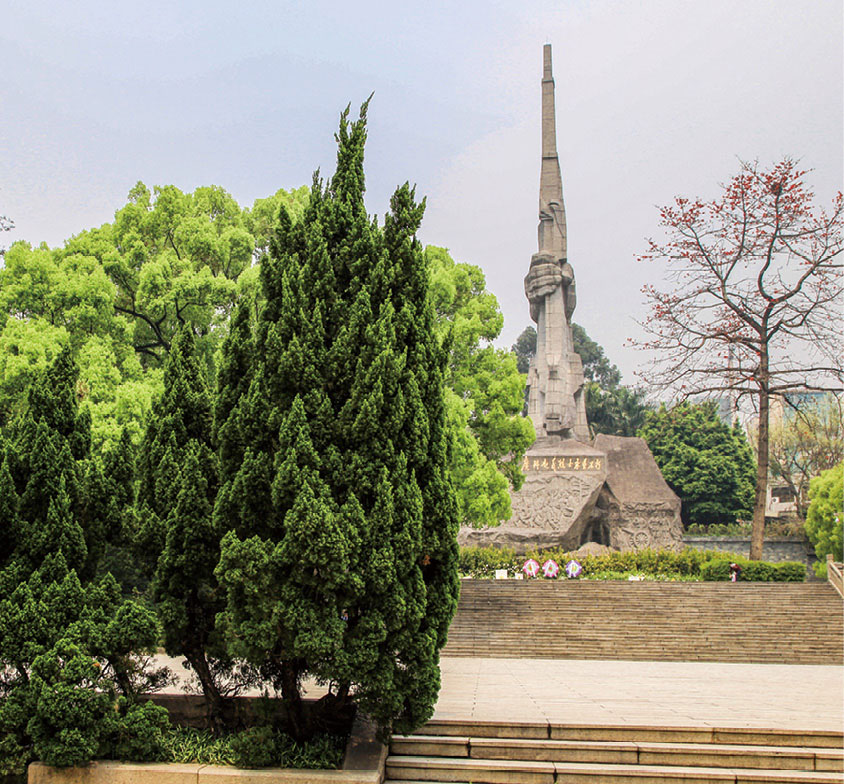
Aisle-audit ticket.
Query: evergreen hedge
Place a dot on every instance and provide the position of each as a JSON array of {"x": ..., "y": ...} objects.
[{"x": 709, "y": 565}]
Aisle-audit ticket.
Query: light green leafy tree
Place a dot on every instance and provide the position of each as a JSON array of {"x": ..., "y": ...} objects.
[
  {"x": 52, "y": 299},
  {"x": 825, "y": 517},
  {"x": 808, "y": 439},
  {"x": 485, "y": 392},
  {"x": 117, "y": 294},
  {"x": 174, "y": 259}
]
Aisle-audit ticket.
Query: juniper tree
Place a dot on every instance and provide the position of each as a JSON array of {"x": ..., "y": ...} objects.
[
  {"x": 233, "y": 378},
  {"x": 48, "y": 604},
  {"x": 186, "y": 594},
  {"x": 342, "y": 559},
  {"x": 181, "y": 414},
  {"x": 178, "y": 486}
]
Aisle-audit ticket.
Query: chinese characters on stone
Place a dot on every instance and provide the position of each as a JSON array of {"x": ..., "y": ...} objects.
[{"x": 562, "y": 463}]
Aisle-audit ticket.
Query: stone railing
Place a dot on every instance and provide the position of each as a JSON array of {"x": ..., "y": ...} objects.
[{"x": 834, "y": 574}]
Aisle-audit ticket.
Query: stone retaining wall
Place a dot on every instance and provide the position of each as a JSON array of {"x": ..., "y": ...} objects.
[{"x": 776, "y": 550}]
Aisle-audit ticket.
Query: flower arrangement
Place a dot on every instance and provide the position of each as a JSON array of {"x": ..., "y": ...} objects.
[
  {"x": 550, "y": 569},
  {"x": 531, "y": 568},
  {"x": 573, "y": 569}
]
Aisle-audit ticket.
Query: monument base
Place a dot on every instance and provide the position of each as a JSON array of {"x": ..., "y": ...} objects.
[
  {"x": 610, "y": 492},
  {"x": 639, "y": 509},
  {"x": 555, "y": 507}
]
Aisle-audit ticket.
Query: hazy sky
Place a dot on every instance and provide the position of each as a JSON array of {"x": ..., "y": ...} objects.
[{"x": 654, "y": 99}]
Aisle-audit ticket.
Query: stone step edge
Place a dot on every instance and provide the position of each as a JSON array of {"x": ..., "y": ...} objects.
[
  {"x": 566, "y": 769},
  {"x": 623, "y": 745},
  {"x": 482, "y": 728},
  {"x": 640, "y": 753}
]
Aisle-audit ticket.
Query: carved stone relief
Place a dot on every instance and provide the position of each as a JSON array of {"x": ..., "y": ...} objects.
[
  {"x": 643, "y": 526},
  {"x": 553, "y": 502}
]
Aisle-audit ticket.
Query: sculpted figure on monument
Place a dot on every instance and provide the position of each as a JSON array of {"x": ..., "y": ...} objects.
[{"x": 555, "y": 378}]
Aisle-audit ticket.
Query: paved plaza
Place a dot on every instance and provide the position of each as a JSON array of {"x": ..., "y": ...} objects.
[
  {"x": 788, "y": 696},
  {"x": 571, "y": 691}
]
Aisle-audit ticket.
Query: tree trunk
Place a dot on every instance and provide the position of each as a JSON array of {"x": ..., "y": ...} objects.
[
  {"x": 757, "y": 531},
  {"x": 213, "y": 700},
  {"x": 292, "y": 696},
  {"x": 121, "y": 675}
]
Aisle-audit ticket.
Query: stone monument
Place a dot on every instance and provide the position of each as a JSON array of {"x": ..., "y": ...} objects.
[
  {"x": 555, "y": 378},
  {"x": 608, "y": 491}
]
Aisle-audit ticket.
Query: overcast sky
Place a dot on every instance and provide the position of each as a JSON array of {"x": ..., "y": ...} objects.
[{"x": 654, "y": 99}]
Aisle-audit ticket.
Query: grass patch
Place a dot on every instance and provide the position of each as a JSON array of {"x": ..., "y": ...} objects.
[{"x": 188, "y": 745}]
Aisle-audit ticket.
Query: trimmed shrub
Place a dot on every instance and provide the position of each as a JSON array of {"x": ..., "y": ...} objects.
[
  {"x": 711, "y": 565},
  {"x": 718, "y": 570},
  {"x": 254, "y": 748}
]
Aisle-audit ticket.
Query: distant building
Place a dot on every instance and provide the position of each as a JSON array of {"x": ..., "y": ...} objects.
[{"x": 780, "y": 501}]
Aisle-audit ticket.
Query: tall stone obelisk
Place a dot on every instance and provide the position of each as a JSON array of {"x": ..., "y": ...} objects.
[
  {"x": 556, "y": 403},
  {"x": 609, "y": 491}
]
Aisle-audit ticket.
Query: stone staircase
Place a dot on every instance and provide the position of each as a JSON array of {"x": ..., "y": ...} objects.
[
  {"x": 784, "y": 623},
  {"x": 510, "y": 753}
]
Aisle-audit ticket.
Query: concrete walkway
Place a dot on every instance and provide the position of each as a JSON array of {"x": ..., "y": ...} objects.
[
  {"x": 570, "y": 691},
  {"x": 566, "y": 691}
]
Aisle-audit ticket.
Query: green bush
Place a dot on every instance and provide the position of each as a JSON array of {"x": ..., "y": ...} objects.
[
  {"x": 662, "y": 577},
  {"x": 139, "y": 731},
  {"x": 191, "y": 745},
  {"x": 254, "y": 748},
  {"x": 71, "y": 720},
  {"x": 824, "y": 517},
  {"x": 481, "y": 562},
  {"x": 718, "y": 570}
]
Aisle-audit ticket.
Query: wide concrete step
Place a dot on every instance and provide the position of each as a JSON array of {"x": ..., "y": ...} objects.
[
  {"x": 494, "y": 752},
  {"x": 626, "y": 752},
  {"x": 478, "y": 771},
  {"x": 441, "y": 769},
  {"x": 650, "y": 733}
]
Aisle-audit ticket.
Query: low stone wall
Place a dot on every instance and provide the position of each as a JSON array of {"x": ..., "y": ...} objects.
[
  {"x": 775, "y": 550},
  {"x": 103, "y": 772},
  {"x": 363, "y": 762}
]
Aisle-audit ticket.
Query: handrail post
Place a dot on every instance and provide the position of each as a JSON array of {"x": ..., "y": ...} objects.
[{"x": 834, "y": 574}]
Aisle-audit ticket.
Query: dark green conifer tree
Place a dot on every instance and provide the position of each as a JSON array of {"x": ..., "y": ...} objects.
[
  {"x": 119, "y": 474},
  {"x": 48, "y": 604},
  {"x": 116, "y": 514},
  {"x": 185, "y": 590},
  {"x": 9, "y": 510},
  {"x": 342, "y": 559},
  {"x": 177, "y": 488},
  {"x": 233, "y": 379},
  {"x": 182, "y": 414}
]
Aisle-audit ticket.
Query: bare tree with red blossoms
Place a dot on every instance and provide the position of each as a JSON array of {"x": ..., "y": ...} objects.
[{"x": 754, "y": 308}]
